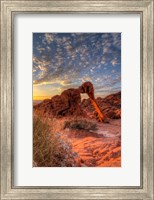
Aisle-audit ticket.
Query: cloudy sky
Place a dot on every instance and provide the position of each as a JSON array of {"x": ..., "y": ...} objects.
[{"x": 66, "y": 60}]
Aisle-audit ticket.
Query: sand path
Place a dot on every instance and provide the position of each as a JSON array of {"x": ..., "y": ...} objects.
[{"x": 101, "y": 148}]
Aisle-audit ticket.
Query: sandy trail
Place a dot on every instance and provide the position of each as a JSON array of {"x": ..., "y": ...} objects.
[{"x": 101, "y": 148}]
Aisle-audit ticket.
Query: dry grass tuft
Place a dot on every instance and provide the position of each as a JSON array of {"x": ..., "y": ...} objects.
[
  {"x": 49, "y": 149},
  {"x": 80, "y": 125}
]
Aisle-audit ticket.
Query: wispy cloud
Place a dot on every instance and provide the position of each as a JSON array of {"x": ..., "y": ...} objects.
[
  {"x": 48, "y": 38},
  {"x": 69, "y": 59}
]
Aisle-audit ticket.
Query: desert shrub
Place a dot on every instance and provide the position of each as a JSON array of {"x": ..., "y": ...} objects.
[
  {"x": 80, "y": 125},
  {"x": 49, "y": 149}
]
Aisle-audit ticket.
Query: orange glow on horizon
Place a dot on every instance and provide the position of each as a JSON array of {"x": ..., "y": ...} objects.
[{"x": 41, "y": 97}]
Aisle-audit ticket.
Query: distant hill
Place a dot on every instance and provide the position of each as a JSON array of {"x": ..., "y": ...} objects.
[{"x": 35, "y": 102}]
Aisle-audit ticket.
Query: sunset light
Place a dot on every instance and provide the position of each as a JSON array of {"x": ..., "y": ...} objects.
[
  {"x": 76, "y": 99},
  {"x": 66, "y": 60}
]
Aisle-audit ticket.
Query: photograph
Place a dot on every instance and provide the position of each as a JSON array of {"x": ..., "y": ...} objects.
[{"x": 76, "y": 99}]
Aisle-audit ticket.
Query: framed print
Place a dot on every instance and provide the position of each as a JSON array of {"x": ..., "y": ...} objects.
[{"x": 77, "y": 99}]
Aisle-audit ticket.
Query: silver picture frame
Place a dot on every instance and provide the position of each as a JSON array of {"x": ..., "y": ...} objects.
[{"x": 8, "y": 10}]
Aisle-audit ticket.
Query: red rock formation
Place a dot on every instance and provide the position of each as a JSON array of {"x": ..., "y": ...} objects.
[
  {"x": 110, "y": 105},
  {"x": 66, "y": 104},
  {"x": 69, "y": 104},
  {"x": 88, "y": 88}
]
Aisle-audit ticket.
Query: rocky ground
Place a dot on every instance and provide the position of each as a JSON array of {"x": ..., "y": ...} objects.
[
  {"x": 110, "y": 106},
  {"x": 100, "y": 148}
]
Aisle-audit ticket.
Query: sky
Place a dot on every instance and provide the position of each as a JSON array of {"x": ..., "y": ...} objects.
[{"x": 66, "y": 60}]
